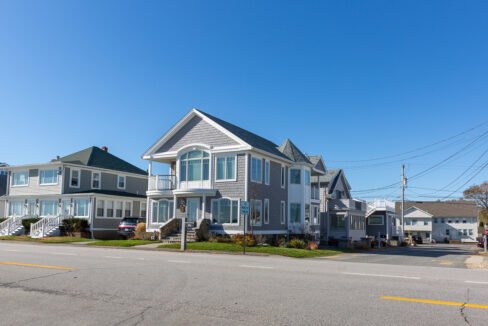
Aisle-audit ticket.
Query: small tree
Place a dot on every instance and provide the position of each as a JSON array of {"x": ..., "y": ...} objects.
[{"x": 479, "y": 193}]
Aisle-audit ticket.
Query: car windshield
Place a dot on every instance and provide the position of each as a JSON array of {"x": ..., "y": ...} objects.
[{"x": 132, "y": 221}]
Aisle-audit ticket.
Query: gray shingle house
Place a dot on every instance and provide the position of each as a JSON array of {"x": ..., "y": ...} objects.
[
  {"x": 213, "y": 165},
  {"x": 91, "y": 184}
]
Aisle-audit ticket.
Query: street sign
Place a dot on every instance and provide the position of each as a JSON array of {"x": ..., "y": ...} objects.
[{"x": 244, "y": 207}]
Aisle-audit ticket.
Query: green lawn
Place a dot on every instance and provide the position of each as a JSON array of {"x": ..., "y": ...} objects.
[
  {"x": 120, "y": 243},
  {"x": 231, "y": 247},
  {"x": 44, "y": 240}
]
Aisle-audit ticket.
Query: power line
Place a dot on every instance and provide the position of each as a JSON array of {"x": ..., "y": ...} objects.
[{"x": 416, "y": 149}]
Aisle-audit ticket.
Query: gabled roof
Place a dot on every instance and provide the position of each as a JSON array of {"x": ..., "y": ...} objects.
[
  {"x": 318, "y": 162},
  {"x": 293, "y": 152},
  {"x": 250, "y": 138},
  {"x": 331, "y": 178},
  {"x": 415, "y": 208},
  {"x": 96, "y": 157},
  {"x": 453, "y": 208}
]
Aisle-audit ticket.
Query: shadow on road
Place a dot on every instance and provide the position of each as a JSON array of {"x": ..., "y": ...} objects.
[{"x": 432, "y": 251}]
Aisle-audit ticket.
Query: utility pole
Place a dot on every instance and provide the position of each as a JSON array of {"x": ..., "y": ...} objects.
[{"x": 402, "y": 218}]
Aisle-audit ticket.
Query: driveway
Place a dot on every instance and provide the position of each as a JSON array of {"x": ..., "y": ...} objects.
[{"x": 437, "y": 255}]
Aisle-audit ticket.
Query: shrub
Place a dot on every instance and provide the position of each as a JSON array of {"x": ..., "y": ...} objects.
[
  {"x": 140, "y": 231},
  {"x": 28, "y": 221},
  {"x": 297, "y": 244},
  {"x": 239, "y": 239},
  {"x": 73, "y": 224},
  {"x": 312, "y": 245}
]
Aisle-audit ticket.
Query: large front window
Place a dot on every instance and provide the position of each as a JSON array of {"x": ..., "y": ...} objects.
[
  {"x": 256, "y": 169},
  {"x": 225, "y": 211},
  {"x": 48, "y": 177},
  {"x": 162, "y": 211},
  {"x": 295, "y": 176},
  {"x": 20, "y": 178},
  {"x": 256, "y": 212},
  {"x": 194, "y": 166},
  {"x": 81, "y": 208},
  {"x": 16, "y": 208},
  {"x": 337, "y": 221},
  {"x": 48, "y": 208}
]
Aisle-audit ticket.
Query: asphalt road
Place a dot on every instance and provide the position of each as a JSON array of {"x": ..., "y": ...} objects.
[
  {"x": 97, "y": 286},
  {"x": 444, "y": 255}
]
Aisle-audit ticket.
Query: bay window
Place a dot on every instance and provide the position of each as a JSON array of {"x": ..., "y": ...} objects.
[
  {"x": 226, "y": 168},
  {"x": 194, "y": 166},
  {"x": 48, "y": 177},
  {"x": 295, "y": 213},
  {"x": 225, "y": 211}
]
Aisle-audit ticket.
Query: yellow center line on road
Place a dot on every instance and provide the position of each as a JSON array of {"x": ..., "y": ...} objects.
[
  {"x": 436, "y": 302},
  {"x": 37, "y": 265}
]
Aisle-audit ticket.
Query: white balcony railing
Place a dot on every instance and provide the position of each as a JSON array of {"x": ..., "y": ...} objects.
[{"x": 162, "y": 182}]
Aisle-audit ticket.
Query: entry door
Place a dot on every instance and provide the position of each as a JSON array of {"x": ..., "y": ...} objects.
[{"x": 193, "y": 205}]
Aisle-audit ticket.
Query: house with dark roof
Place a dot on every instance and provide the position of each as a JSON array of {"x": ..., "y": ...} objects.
[
  {"x": 213, "y": 165},
  {"x": 92, "y": 184},
  {"x": 455, "y": 220},
  {"x": 343, "y": 217}
]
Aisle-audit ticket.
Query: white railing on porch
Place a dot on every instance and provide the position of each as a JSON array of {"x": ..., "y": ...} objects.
[
  {"x": 42, "y": 228},
  {"x": 162, "y": 182},
  {"x": 11, "y": 225}
]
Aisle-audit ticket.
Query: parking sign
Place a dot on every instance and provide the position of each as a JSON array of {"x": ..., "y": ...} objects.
[{"x": 244, "y": 207}]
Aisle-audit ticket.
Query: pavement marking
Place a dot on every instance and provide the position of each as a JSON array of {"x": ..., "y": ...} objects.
[
  {"x": 112, "y": 257},
  {"x": 259, "y": 267},
  {"x": 436, "y": 302},
  {"x": 11, "y": 250},
  {"x": 383, "y": 275},
  {"x": 475, "y": 282},
  {"x": 63, "y": 254},
  {"x": 179, "y": 261},
  {"x": 36, "y": 265}
]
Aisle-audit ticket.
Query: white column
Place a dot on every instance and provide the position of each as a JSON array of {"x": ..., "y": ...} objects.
[{"x": 203, "y": 207}]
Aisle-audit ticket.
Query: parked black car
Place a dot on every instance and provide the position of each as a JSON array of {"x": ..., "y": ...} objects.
[
  {"x": 417, "y": 239},
  {"x": 128, "y": 225}
]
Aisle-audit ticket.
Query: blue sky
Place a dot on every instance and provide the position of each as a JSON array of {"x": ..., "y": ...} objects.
[{"x": 351, "y": 80}]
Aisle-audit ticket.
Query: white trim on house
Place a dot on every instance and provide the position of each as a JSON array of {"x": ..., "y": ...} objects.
[
  {"x": 267, "y": 172},
  {"x": 99, "y": 179},
  {"x": 215, "y": 158},
  {"x": 71, "y": 178},
  {"x": 118, "y": 182}
]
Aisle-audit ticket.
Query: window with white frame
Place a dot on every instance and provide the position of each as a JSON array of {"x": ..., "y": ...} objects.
[
  {"x": 121, "y": 181},
  {"x": 295, "y": 176},
  {"x": 225, "y": 211},
  {"x": 143, "y": 209},
  {"x": 194, "y": 166},
  {"x": 48, "y": 177},
  {"x": 283, "y": 212},
  {"x": 162, "y": 211},
  {"x": 74, "y": 179},
  {"x": 375, "y": 220},
  {"x": 306, "y": 177},
  {"x": 267, "y": 167},
  {"x": 16, "y": 208},
  {"x": 226, "y": 168},
  {"x": 96, "y": 180},
  {"x": 127, "y": 209},
  {"x": 48, "y": 208},
  {"x": 80, "y": 207},
  {"x": 295, "y": 213},
  {"x": 315, "y": 215},
  {"x": 307, "y": 213},
  {"x": 283, "y": 176},
  {"x": 266, "y": 211},
  {"x": 100, "y": 208},
  {"x": 256, "y": 169},
  {"x": 20, "y": 178},
  {"x": 256, "y": 211},
  {"x": 110, "y": 208},
  {"x": 118, "y": 208}
]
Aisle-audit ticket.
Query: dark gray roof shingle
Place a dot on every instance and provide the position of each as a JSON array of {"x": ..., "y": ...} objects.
[
  {"x": 293, "y": 152},
  {"x": 96, "y": 157},
  {"x": 247, "y": 136}
]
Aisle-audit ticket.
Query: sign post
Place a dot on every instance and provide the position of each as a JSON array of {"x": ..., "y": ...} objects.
[{"x": 244, "y": 213}]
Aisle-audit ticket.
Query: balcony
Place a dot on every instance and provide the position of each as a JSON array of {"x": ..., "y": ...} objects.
[
  {"x": 348, "y": 204},
  {"x": 162, "y": 183}
]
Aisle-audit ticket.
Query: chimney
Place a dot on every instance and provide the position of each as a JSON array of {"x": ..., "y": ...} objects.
[{"x": 104, "y": 148}]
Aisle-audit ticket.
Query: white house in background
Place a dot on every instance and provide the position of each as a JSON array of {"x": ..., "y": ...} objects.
[{"x": 441, "y": 220}]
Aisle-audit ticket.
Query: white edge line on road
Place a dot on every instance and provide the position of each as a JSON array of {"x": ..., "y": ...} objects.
[
  {"x": 179, "y": 261},
  {"x": 383, "y": 275},
  {"x": 63, "y": 254},
  {"x": 113, "y": 257},
  {"x": 475, "y": 282},
  {"x": 260, "y": 267},
  {"x": 11, "y": 250}
]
